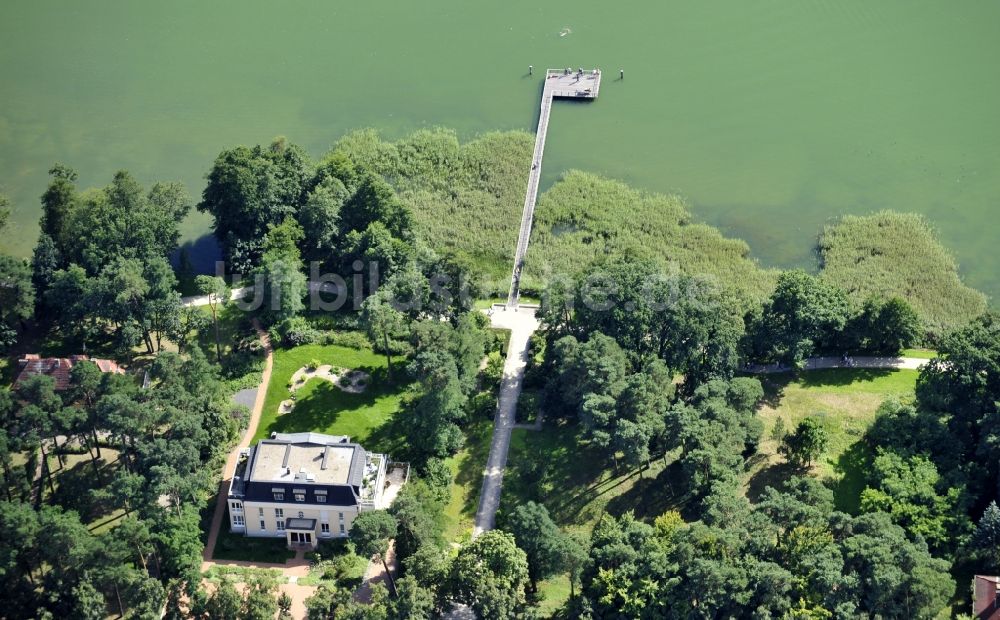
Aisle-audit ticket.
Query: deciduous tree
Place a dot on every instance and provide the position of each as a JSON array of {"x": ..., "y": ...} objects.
[
  {"x": 541, "y": 540},
  {"x": 489, "y": 575},
  {"x": 371, "y": 532},
  {"x": 806, "y": 443},
  {"x": 218, "y": 296}
]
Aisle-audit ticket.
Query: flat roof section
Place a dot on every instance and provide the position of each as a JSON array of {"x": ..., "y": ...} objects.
[
  {"x": 293, "y": 523},
  {"x": 305, "y": 463}
]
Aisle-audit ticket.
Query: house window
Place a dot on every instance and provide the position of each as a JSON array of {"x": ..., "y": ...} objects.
[
  {"x": 342, "y": 530},
  {"x": 238, "y": 520},
  {"x": 300, "y": 497},
  {"x": 236, "y": 506},
  {"x": 260, "y": 512},
  {"x": 321, "y": 499},
  {"x": 279, "y": 497},
  {"x": 324, "y": 528},
  {"x": 341, "y": 516},
  {"x": 263, "y": 526},
  {"x": 279, "y": 513},
  {"x": 281, "y": 526}
]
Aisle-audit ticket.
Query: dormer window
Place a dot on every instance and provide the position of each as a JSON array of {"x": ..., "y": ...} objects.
[
  {"x": 300, "y": 494},
  {"x": 279, "y": 497}
]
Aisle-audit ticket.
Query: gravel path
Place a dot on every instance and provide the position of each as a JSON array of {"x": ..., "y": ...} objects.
[
  {"x": 521, "y": 323},
  {"x": 234, "y": 456},
  {"x": 825, "y": 363}
]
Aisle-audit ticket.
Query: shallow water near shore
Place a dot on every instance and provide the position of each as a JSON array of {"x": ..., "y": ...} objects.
[{"x": 771, "y": 117}]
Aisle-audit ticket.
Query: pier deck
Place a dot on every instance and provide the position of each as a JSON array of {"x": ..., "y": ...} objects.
[{"x": 563, "y": 84}]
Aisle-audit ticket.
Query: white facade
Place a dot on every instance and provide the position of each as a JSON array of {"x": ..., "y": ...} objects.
[{"x": 304, "y": 487}]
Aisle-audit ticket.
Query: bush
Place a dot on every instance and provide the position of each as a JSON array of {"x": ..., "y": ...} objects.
[
  {"x": 241, "y": 414},
  {"x": 297, "y": 331},
  {"x": 493, "y": 372},
  {"x": 350, "y": 339},
  {"x": 437, "y": 475},
  {"x": 482, "y": 404}
]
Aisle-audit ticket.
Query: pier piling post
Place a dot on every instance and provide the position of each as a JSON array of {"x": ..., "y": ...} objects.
[
  {"x": 531, "y": 70},
  {"x": 621, "y": 74}
]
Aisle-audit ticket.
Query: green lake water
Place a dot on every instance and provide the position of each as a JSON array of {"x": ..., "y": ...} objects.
[{"x": 771, "y": 117}]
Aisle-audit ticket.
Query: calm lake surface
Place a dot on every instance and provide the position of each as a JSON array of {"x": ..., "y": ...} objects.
[{"x": 771, "y": 117}]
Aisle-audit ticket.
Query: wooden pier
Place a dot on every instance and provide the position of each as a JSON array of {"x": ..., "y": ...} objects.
[{"x": 559, "y": 83}]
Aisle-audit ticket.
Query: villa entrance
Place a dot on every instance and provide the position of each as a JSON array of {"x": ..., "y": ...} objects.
[{"x": 301, "y": 532}]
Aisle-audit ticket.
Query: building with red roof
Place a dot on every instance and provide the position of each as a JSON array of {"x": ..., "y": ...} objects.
[{"x": 59, "y": 368}]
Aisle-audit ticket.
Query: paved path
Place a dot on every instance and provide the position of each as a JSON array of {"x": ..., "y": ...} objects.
[
  {"x": 825, "y": 363},
  {"x": 521, "y": 323},
  {"x": 237, "y": 293},
  {"x": 375, "y": 573},
  {"x": 234, "y": 456}
]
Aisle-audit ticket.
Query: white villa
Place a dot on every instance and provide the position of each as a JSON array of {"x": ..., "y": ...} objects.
[{"x": 305, "y": 487}]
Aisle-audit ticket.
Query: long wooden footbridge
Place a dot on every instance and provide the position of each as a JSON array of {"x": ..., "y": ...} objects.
[{"x": 559, "y": 83}]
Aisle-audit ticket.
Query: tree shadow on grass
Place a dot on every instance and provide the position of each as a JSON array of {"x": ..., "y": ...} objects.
[
  {"x": 774, "y": 384},
  {"x": 75, "y": 485},
  {"x": 851, "y": 467},
  {"x": 773, "y": 475},
  {"x": 774, "y": 388},
  {"x": 651, "y": 496},
  {"x": 470, "y": 468},
  {"x": 577, "y": 481},
  {"x": 835, "y": 377}
]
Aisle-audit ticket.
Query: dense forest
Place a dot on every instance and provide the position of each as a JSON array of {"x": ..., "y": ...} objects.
[{"x": 651, "y": 324}]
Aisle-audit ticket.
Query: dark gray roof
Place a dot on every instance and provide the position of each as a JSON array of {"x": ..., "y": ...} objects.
[
  {"x": 255, "y": 487},
  {"x": 357, "y": 473}
]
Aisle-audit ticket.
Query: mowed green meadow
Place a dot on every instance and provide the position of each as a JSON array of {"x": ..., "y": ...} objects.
[
  {"x": 845, "y": 400},
  {"x": 322, "y": 407}
]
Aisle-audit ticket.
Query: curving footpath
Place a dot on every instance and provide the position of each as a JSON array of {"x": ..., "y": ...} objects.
[{"x": 234, "y": 457}]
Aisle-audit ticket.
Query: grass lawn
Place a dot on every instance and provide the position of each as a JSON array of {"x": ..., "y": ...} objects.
[
  {"x": 467, "y": 480},
  {"x": 233, "y": 546},
  {"x": 845, "y": 400},
  {"x": 577, "y": 482},
  {"x": 324, "y": 408},
  {"x": 924, "y": 354},
  {"x": 552, "y": 595}
]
